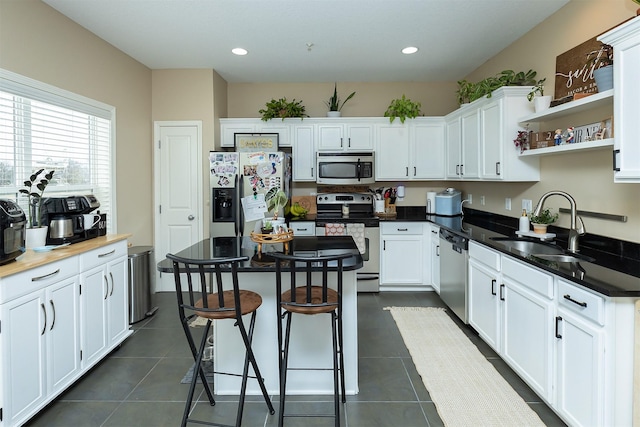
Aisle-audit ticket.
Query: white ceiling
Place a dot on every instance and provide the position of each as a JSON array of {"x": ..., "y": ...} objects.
[{"x": 353, "y": 40}]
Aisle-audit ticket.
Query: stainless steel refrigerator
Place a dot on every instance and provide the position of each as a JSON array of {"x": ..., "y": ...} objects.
[{"x": 234, "y": 175}]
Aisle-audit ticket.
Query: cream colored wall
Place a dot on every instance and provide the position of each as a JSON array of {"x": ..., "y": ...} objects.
[
  {"x": 38, "y": 42},
  {"x": 370, "y": 100},
  {"x": 189, "y": 95},
  {"x": 587, "y": 176}
]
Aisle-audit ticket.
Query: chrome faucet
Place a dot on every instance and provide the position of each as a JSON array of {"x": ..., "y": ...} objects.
[{"x": 576, "y": 229}]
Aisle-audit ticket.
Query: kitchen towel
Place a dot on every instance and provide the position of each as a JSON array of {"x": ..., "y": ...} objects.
[
  {"x": 357, "y": 232},
  {"x": 334, "y": 230}
]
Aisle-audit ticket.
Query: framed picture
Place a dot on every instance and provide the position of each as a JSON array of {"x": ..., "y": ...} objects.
[
  {"x": 251, "y": 142},
  {"x": 573, "y": 74}
]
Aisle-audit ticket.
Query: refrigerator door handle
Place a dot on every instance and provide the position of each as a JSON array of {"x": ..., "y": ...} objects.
[{"x": 239, "y": 225}]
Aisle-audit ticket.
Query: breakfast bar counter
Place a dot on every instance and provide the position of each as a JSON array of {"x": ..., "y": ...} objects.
[{"x": 311, "y": 335}]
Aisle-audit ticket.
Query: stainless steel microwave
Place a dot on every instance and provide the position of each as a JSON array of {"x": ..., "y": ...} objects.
[{"x": 345, "y": 168}]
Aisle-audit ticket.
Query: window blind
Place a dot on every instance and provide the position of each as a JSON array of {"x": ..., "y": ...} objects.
[{"x": 42, "y": 127}]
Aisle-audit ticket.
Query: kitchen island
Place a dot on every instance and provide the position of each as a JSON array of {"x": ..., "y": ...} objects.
[{"x": 310, "y": 335}]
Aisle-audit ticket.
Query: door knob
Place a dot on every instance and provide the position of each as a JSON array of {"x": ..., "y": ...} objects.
[{"x": 191, "y": 217}]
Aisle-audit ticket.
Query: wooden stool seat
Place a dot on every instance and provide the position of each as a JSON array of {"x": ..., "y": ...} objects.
[
  {"x": 316, "y": 304},
  {"x": 249, "y": 302}
]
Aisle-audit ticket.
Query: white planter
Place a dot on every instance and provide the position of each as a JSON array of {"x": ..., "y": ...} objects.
[
  {"x": 541, "y": 103},
  {"x": 333, "y": 113},
  {"x": 36, "y": 237}
]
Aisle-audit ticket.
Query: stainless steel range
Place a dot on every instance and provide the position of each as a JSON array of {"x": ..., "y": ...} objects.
[{"x": 353, "y": 208}]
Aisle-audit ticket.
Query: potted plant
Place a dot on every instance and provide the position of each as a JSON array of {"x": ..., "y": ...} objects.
[
  {"x": 267, "y": 227},
  {"x": 542, "y": 220},
  {"x": 600, "y": 64},
  {"x": 334, "y": 103},
  {"x": 276, "y": 199},
  {"x": 283, "y": 109},
  {"x": 541, "y": 101},
  {"x": 403, "y": 108},
  {"x": 469, "y": 92},
  {"x": 34, "y": 189}
]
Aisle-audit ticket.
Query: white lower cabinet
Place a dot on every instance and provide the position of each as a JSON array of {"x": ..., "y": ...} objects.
[
  {"x": 40, "y": 339},
  {"x": 580, "y": 347},
  {"x": 402, "y": 256},
  {"x": 104, "y": 300},
  {"x": 49, "y": 318},
  {"x": 555, "y": 336}
]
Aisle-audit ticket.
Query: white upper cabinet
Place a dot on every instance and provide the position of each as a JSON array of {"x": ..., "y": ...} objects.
[
  {"x": 625, "y": 40},
  {"x": 304, "y": 153},
  {"x": 499, "y": 158},
  {"x": 463, "y": 143},
  {"x": 411, "y": 151},
  {"x": 229, "y": 127},
  {"x": 345, "y": 135}
]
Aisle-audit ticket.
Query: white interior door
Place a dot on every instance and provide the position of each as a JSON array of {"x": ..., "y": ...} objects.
[{"x": 178, "y": 191}]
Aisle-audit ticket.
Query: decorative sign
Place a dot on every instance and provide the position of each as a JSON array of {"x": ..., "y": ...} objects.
[
  {"x": 574, "y": 74},
  {"x": 249, "y": 142}
]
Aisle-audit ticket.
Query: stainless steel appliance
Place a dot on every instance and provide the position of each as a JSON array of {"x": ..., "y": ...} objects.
[
  {"x": 454, "y": 257},
  {"x": 449, "y": 202},
  {"x": 360, "y": 211},
  {"x": 65, "y": 218},
  {"x": 345, "y": 168},
  {"x": 13, "y": 222},
  {"x": 234, "y": 175}
]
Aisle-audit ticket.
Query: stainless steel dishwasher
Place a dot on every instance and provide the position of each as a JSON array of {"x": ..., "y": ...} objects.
[{"x": 454, "y": 258}]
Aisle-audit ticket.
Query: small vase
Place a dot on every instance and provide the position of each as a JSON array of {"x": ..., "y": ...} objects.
[
  {"x": 36, "y": 237},
  {"x": 604, "y": 78},
  {"x": 333, "y": 113},
  {"x": 541, "y": 103},
  {"x": 540, "y": 228}
]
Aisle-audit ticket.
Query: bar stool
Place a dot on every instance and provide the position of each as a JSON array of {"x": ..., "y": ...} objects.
[
  {"x": 213, "y": 303},
  {"x": 311, "y": 299}
]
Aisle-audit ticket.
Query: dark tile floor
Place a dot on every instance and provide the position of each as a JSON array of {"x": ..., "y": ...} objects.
[{"x": 139, "y": 384}]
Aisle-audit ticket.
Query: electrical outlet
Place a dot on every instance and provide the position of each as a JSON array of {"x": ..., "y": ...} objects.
[
  {"x": 507, "y": 203},
  {"x": 470, "y": 198},
  {"x": 482, "y": 200},
  {"x": 527, "y": 205}
]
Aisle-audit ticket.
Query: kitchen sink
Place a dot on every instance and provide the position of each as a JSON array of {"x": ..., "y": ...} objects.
[
  {"x": 528, "y": 246},
  {"x": 564, "y": 257}
]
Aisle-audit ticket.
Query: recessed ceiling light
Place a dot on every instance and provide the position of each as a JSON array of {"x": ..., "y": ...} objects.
[
  {"x": 239, "y": 51},
  {"x": 409, "y": 50}
]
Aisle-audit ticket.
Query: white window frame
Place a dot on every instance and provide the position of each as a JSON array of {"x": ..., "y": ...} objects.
[{"x": 33, "y": 89}]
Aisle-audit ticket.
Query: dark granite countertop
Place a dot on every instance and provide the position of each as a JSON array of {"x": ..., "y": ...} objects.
[
  {"x": 220, "y": 247},
  {"x": 615, "y": 271}
]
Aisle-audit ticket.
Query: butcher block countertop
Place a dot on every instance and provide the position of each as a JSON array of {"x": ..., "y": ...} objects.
[{"x": 31, "y": 259}]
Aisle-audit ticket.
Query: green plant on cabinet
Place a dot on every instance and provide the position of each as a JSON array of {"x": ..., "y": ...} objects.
[
  {"x": 334, "y": 102},
  {"x": 403, "y": 108},
  {"x": 35, "y": 195},
  {"x": 283, "y": 109}
]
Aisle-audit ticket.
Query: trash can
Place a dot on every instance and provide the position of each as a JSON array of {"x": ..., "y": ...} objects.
[{"x": 141, "y": 277}]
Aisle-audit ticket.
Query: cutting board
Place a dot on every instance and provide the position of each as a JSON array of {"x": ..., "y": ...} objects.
[{"x": 307, "y": 202}]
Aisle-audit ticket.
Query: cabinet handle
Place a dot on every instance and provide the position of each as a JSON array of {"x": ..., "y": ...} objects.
[
  {"x": 44, "y": 326},
  {"x": 498, "y": 168},
  {"x": 438, "y": 250},
  {"x": 302, "y": 229},
  {"x": 384, "y": 245},
  {"x": 106, "y": 254},
  {"x": 414, "y": 171},
  {"x": 46, "y": 276},
  {"x": 406, "y": 171},
  {"x": 106, "y": 282},
  {"x": 112, "y": 285},
  {"x": 340, "y": 142},
  {"x": 53, "y": 308},
  {"x": 312, "y": 175},
  {"x": 457, "y": 169},
  {"x": 615, "y": 160},
  {"x": 501, "y": 292},
  {"x": 493, "y": 287},
  {"x": 581, "y": 304},
  {"x": 558, "y": 320},
  {"x": 349, "y": 142},
  {"x": 461, "y": 170},
  {"x": 402, "y": 229}
]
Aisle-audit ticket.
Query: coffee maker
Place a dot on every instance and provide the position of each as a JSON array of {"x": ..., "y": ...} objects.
[{"x": 68, "y": 218}]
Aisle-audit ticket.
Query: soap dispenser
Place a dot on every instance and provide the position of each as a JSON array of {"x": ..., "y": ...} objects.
[{"x": 524, "y": 222}]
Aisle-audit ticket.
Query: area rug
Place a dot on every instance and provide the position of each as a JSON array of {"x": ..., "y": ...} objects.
[{"x": 465, "y": 388}]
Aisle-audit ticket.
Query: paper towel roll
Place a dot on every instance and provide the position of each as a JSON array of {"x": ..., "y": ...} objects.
[{"x": 431, "y": 202}]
